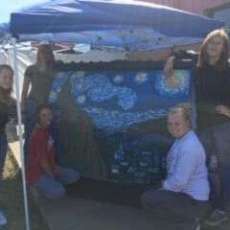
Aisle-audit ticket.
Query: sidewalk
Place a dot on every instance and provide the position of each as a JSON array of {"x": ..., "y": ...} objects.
[
  {"x": 78, "y": 214},
  {"x": 73, "y": 213}
]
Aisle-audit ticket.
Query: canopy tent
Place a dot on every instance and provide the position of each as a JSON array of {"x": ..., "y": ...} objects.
[
  {"x": 111, "y": 23},
  {"x": 85, "y": 15},
  {"x": 62, "y": 17}
]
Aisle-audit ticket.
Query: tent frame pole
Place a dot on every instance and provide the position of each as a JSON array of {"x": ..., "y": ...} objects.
[{"x": 20, "y": 134}]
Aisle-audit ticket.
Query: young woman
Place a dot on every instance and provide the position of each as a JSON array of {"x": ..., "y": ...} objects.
[
  {"x": 6, "y": 84},
  {"x": 36, "y": 87},
  {"x": 39, "y": 77},
  {"x": 43, "y": 172},
  {"x": 212, "y": 87}
]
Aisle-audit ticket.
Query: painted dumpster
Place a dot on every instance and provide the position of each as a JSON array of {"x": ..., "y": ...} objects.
[{"x": 111, "y": 118}]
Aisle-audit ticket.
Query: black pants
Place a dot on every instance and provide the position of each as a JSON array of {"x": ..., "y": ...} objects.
[
  {"x": 172, "y": 206},
  {"x": 216, "y": 141}
]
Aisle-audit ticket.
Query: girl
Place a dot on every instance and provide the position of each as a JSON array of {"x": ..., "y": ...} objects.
[
  {"x": 6, "y": 83},
  {"x": 212, "y": 87},
  {"x": 36, "y": 87},
  {"x": 43, "y": 171},
  {"x": 39, "y": 77}
]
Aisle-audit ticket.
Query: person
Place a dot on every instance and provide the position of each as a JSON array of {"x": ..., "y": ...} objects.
[
  {"x": 6, "y": 85},
  {"x": 39, "y": 76},
  {"x": 36, "y": 87},
  {"x": 185, "y": 191},
  {"x": 43, "y": 172},
  {"x": 211, "y": 74}
]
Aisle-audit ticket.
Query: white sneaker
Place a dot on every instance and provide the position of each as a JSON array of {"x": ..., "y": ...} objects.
[
  {"x": 196, "y": 225},
  {"x": 3, "y": 220},
  {"x": 217, "y": 218}
]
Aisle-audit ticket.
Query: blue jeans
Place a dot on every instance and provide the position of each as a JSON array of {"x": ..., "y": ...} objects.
[
  {"x": 53, "y": 187},
  {"x": 3, "y": 151}
]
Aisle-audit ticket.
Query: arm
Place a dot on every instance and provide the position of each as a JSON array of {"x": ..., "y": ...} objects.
[
  {"x": 26, "y": 84},
  {"x": 3, "y": 120},
  {"x": 48, "y": 163},
  {"x": 169, "y": 73},
  {"x": 39, "y": 141},
  {"x": 184, "y": 169},
  {"x": 223, "y": 110},
  {"x": 179, "y": 56},
  {"x": 46, "y": 167},
  {"x": 25, "y": 90}
]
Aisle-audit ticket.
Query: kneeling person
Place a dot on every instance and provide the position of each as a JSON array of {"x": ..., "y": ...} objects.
[
  {"x": 43, "y": 172},
  {"x": 185, "y": 191}
]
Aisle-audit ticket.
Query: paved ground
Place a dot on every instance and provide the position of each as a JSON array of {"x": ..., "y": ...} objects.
[{"x": 74, "y": 213}]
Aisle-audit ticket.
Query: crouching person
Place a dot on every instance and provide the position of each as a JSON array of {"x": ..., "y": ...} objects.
[
  {"x": 185, "y": 191},
  {"x": 43, "y": 173}
]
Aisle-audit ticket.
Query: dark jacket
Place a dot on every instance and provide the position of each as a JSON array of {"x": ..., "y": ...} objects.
[{"x": 6, "y": 103}]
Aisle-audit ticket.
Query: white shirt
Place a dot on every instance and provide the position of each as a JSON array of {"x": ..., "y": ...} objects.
[{"x": 187, "y": 171}]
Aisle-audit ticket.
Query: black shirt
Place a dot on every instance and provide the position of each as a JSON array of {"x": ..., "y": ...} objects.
[{"x": 212, "y": 88}]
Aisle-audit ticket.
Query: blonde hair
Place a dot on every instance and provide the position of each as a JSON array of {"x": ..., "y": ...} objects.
[
  {"x": 203, "y": 59},
  {"x": 185, "y": 109}
]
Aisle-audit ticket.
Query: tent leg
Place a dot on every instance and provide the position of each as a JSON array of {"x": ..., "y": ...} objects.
[{"x": 25, "y": 196}]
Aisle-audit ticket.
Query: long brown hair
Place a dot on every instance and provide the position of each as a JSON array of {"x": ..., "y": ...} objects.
[
  {"x": 45, "y": 51},
  {"x": 203, "y": 59},
  {"x": 7, "y": 67}
]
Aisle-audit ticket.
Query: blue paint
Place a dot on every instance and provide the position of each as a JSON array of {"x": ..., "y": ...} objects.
[{"x": 116, "y": 101}]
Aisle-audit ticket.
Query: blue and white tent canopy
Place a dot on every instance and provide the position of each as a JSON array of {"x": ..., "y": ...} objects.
[{"x": 119, "y": 23}]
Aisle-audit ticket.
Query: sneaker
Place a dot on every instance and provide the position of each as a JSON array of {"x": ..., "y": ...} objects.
[
  {"x": 216, "y": 218},
  {"x": 3, "y": 220},
  {"x": 196, "y": 225}
]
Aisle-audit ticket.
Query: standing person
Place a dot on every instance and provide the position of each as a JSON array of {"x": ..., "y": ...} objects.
[
  {"x": 43, "y": 172},
  {"x": 36, "y": 87},
  {"x": 6, "y": 84},
  {"x": 185, "y": 191},
  {"x": 212, "y": 87}
]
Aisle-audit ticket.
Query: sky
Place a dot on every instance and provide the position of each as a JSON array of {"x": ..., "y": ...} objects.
[{"x": 8, "y": 6}]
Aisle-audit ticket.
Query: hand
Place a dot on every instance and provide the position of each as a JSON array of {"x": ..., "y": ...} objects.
[
  {"x": 213, "y": 163},
  {"x": 223, "y": 110},
  {"x": 57, "y": 171}
]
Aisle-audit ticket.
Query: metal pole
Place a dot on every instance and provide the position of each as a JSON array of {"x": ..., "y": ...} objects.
[{"x": 19, "y": 115}]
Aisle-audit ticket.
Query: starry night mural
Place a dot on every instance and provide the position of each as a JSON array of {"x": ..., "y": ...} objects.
[{"x": 123, "y": 112}]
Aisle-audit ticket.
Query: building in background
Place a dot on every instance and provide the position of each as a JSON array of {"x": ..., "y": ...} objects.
[
  {"x": 218, "y": 9},
  {"x": 221, "y": 12},
  {"x": 195, "y": 6}
]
